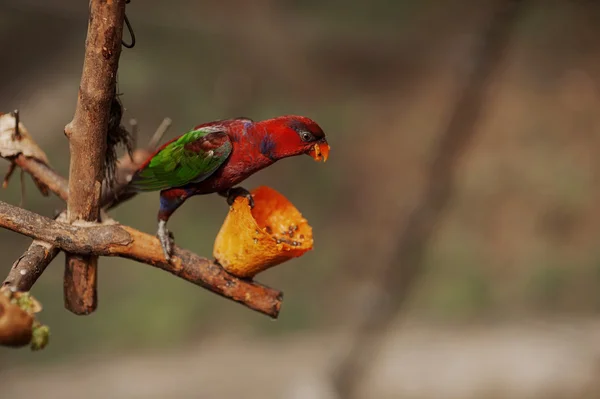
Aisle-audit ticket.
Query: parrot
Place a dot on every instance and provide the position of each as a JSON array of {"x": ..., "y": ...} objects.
[{"x": 214, "y": 157}]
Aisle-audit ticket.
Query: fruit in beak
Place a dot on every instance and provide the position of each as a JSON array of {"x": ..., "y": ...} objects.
[{"x": 320, "y": 152}]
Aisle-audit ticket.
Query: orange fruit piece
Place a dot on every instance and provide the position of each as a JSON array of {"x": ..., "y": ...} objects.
[{"x": 251, "y": 241}]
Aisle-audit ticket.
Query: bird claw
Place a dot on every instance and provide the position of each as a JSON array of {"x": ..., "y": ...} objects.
[
  {"x": 166, "y": 238},
  {"x": 235, "y": 192}
]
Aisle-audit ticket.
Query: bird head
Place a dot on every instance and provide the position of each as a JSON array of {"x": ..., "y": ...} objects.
[{"x": 292, "y": 135}]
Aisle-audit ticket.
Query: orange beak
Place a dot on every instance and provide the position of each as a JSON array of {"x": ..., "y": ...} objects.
[{"x": 320, "y": 152}]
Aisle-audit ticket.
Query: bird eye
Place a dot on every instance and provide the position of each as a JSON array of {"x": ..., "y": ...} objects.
[{"x": 306, "y": 136}]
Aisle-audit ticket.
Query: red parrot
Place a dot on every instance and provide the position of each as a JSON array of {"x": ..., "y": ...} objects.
[{"x": 214, "y": 157}]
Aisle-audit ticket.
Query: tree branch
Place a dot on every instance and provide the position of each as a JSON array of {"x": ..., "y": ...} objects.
[
  {"x": 396, "y": 280},
  {"x": 55, "y": 182},
  {"x": 30, "y": 266},
  {"x": 30, "y": 158},
  {"x": 81, "y": 238},
  {"x": 87, "y": 134},
  {"x": 126, "y": 242}
]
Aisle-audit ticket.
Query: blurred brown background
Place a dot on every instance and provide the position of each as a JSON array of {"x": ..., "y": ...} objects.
[{"x": 506, "y": 293}]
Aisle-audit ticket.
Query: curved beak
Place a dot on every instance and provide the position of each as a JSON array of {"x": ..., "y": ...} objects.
[{"x": 320, "y": 151}]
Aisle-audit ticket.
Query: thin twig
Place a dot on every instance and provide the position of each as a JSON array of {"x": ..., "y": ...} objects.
[
  {"x": 32, "y": 263},
  {"x": 126, "y": 242},
  {"x": 30, "y": 266},
  {"x": 23, "y": 190},
  {"x": 112, "y": 198},
  {"x": 45, "y": 174},
  {"x": 8, "y": 175},
  {"x": 160, "y": 132},
  {"x": 87, "y": 134},
  {"x": 396, "y": 280}
]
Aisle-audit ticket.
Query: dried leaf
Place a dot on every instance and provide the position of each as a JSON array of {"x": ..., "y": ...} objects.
[{"x": 10, "y": 146}]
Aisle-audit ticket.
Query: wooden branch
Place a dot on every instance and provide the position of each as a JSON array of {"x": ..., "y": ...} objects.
[
  {"x": 87, "y": 134},
  {"x": 44, "y": 173},
  {"x": 160, "y": 132},
  {"x": 126, "y": 242},
  {"x": 399, "y": 276},
  {"x": 141, "y": 247},
  {"x": 16, "y": 142},
  {"x": 30, "y": 266}
]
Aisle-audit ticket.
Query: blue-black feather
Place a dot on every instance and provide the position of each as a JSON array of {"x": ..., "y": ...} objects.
[{"x": 267, "y": 146}]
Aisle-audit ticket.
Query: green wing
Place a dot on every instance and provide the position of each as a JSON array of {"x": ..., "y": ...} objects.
[{"x": 190, "y": 158}]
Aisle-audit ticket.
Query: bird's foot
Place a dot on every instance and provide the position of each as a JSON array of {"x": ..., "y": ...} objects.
[
  {"x": 166, "y": 238},
  {"x": 235, "y": 192}
]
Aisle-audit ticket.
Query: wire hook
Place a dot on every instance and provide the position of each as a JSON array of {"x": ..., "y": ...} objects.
[{"x": 130, "y": 29}]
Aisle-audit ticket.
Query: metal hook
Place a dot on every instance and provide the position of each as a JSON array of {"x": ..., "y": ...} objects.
[{"x": 130, "y": 29}]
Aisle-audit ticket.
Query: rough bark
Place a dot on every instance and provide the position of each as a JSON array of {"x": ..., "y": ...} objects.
[
  {"x": 30, "y": 266},
  {"x": 87, "y": 134},
  {"x": 126, "y": 242},
  {"x": 53, "y": 181}
]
